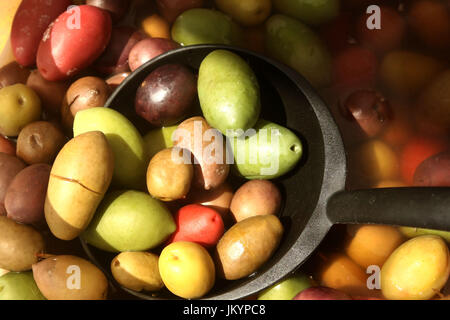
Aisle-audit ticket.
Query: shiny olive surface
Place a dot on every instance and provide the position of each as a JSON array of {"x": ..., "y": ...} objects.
[{"x": 166, "y": 95}]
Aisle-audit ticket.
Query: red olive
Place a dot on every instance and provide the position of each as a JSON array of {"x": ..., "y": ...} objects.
[
  {"x": 30, "y": 22},
  {"x": 73, "y": 42}
]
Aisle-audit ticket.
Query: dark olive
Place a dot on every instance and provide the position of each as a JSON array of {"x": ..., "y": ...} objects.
[
  {"x": 166, "y": 95},
  {"x": 370, "y": 109},
  {"x": 115, "y": 57},
  {"x": 117, "y": 8}
]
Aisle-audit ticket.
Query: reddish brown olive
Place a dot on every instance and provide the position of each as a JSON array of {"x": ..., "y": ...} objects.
[
  {"x": 115, "y": 57},
  {"x": 147, "y": 49},
  {"x": 116, "y": 80},
  {"x": 7, "y": 146},
  {"x": 13, "y": 73},
  {"x": 434, "y": 171},
  {"x": 25, "y": 197},
  {"x": 10, "y": 166},
  {"x": 370, "y": 109},
  {"x": 117, "y": 8},
  {"x": 51, "y": 93},
  {"x": 255, "y": 197}
]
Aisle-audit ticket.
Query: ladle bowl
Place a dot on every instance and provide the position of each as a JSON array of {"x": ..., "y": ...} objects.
[{"x": 314, "y": 196}]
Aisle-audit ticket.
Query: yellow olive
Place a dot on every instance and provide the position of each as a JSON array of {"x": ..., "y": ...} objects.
[
  {"x": 80, "y": 176},
  {"x": 416, "y": 270},
  {"x": 137, "y": 271},
  {"x": 187, "y": 269}
]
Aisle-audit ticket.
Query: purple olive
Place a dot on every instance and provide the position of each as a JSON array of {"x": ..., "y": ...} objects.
[{"x": 166, "y": 95}]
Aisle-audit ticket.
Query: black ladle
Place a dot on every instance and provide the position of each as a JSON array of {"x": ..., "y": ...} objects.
[{"x": 314, "y": 193}]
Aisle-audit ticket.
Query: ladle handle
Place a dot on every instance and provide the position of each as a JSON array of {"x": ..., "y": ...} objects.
[{"x": 419, "y": 207}]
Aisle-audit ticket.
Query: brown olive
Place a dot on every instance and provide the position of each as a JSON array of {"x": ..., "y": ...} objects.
[
  {"x": 433, "y": 105},
  {"x": 218, "y": 199},
  {"x": 40, "y": 142},
  {"x": 20, "y": 245},
  {"x": 70, "y": 278},
  {"x": 13, "y": 73},
  {"x": 10, "y": 166},
  {"x": 255, "y": 197},
  {"x": 168, "y": 180},
  {"x": 85, "y": 93},
  {"x": 247, "y": 245},
  {"x": 51, "y": 93}
]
